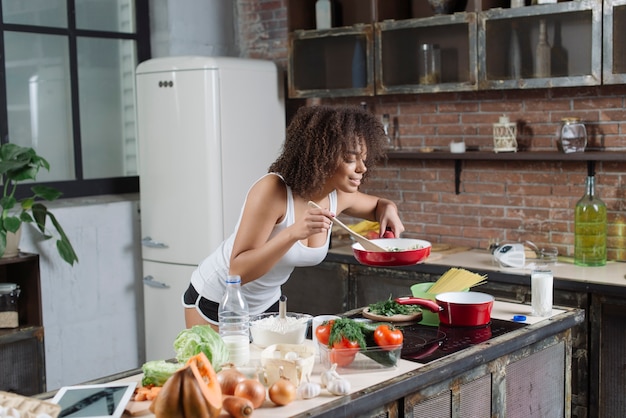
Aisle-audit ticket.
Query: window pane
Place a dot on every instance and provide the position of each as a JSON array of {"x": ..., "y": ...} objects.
[
  {"x": 107, "y": 15},
  {"x": 106, "y": 70},
  {"x": 38, "y": 99},
  {"x": 35, "y": 12}
]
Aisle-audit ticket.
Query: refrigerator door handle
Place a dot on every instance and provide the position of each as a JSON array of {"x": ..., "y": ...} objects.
[
  {"x": 149, "y": 281},
  {"x": 149, "y": 242}
]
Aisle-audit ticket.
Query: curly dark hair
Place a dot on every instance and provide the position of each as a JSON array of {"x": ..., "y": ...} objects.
[{"x": 317, "y": 140}]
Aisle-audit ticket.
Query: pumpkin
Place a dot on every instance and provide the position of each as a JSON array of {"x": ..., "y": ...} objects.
[{"x": 192, "y": 391}]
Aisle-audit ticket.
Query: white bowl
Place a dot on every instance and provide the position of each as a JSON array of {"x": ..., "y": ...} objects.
[{"x": 267, "y": 328}]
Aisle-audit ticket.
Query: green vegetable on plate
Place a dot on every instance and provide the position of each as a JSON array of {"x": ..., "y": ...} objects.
[{"x": 390, "y": 307}]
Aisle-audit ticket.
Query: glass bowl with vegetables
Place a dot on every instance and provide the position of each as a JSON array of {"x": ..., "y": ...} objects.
[{"x": 358, "y": 345}]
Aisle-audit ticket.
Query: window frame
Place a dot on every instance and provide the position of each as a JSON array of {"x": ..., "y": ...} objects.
[{"x": 80, "y": 187}]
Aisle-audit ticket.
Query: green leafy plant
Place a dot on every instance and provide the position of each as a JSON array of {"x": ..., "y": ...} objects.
[{"x": 18, "y": 164}]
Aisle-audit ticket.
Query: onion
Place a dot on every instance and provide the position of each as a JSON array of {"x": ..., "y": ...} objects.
[
  {"x": 282, "y": 391},
  {"x": 228, "y": 379},
  {"x": 251, "y": 389}
]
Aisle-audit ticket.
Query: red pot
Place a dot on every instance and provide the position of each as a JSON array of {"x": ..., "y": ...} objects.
[
  {"x": 405, "y": 256},
  {"x": 465, "y": 309}
]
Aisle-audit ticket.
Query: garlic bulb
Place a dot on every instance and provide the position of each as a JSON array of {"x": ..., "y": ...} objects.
[
  {"x": 308, "y": 390},
  {"x": 339, "y": 386},
  {"x": 329, "y": 375}
]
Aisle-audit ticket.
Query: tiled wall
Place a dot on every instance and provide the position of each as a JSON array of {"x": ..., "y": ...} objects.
[{"x": 498, "y": 199}]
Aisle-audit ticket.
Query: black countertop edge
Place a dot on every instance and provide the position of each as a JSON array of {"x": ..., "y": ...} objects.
[
  {"x": 437, "y": 371},
  {"x": 494, "y": 276}
]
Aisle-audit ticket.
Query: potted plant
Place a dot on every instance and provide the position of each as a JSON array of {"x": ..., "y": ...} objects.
[{"x": 18, "y": 164}]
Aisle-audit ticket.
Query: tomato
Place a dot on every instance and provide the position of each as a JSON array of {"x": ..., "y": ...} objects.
[
  {"x": 388, "y": 338},
  {"x": 388, "y": 234},
  {"x": 371, "y": 235},
  {"x": 322, "y": 332},
  {"x": 344, "y": 351}
]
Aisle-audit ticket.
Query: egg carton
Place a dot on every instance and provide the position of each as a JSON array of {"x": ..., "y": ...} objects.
[{"x": 26, "y": 407}]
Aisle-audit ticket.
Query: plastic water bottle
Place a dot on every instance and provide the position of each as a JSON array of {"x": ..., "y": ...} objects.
[{"x": 234, "y": 318}]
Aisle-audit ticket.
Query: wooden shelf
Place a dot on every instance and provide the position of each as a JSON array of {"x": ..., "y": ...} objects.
[
  {"x": 510, "y": 156},
  {"x": 590, "y": 157}
]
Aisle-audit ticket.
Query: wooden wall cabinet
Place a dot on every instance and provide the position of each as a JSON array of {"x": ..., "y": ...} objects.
[
  {"x": 384, "y": 36},
  {"x": 574, "y": 34},
  {"x": 613, "y": 48},
  {"x": 22, "y": 348},
  {"x": 398, "y": 56},
  {"x": 338, "y": 61}
]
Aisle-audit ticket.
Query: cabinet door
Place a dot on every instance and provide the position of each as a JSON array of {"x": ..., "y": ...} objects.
[
  {"x": 614, "y": 49},
  {"x": 318, "y": 290},
  {"x": 508, "y": 38},
  {"x": 334, "y": 62},
  {"x": 398, "y": 57}
]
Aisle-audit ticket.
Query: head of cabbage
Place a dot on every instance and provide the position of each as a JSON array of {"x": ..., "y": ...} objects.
[{"x": 201, "y": 338}]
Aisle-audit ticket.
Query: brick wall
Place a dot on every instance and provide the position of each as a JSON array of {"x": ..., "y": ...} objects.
[{"x": 503, "y": 200}]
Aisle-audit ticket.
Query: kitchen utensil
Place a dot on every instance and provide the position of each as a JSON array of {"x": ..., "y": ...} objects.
[
  {"x": 457, "y": 308},
  {"x": 405, "y": 252},
  {"x": 422, "y": 291},
  {"x": 366, "y": 243},
  {"x": 385, "y": 121},
  {"x": 282, "y": 313}
]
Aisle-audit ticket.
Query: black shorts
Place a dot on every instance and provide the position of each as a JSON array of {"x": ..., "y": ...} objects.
[{"x": 208, "y": 308}]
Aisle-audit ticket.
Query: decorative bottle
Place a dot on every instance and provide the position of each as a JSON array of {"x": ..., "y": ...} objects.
[
  {"x": 590, "y": 227},
  {"x": 323, "y": 14},
  {"x": 515, "y": 56},
  {"x": 559, "y": 66},
  {"x": 359, "y": 70},
  {"x": 542, "y": 53},
  {"x": 234, "y": 322}
]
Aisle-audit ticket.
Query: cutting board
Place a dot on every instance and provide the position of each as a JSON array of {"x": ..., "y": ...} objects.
[
  {"x": 136, "y": 409},
  {"x": 438, "y": 251}
]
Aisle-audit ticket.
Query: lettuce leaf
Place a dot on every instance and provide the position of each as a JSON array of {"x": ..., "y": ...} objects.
[
  {"x": 201, "y": 338},
  {"x": 156, "y": 372}
]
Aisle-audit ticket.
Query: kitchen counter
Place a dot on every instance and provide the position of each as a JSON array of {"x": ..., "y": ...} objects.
[
  {"x": 611, "y": 277},
  {"x": 405, "y": 385}
]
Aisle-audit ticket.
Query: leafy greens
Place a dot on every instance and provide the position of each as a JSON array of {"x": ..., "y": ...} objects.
[{"x": 192, "y": 341}]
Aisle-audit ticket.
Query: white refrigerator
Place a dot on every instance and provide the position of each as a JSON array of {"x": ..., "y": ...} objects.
[{"x": 208, "y": 127}]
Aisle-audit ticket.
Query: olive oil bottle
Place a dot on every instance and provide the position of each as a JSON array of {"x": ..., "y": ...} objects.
[{"x": 590, "y": 227}]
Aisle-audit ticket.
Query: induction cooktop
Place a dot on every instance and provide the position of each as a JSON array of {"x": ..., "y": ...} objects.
[{"x": 424, "y": 344}]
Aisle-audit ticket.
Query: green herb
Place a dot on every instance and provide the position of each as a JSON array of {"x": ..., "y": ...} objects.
[
  {"x": 390, "y": 307},
  {"x": 346, "y": 328}
]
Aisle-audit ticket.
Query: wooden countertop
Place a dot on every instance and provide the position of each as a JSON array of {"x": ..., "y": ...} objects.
[{"x": 363, "y": 382}]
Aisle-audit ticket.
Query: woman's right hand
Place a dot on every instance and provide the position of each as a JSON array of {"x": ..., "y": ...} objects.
[{"x": 314, "y": 221}]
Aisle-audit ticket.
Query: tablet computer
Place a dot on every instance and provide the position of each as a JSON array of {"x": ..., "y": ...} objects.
[{"x": 94, "y": 401}]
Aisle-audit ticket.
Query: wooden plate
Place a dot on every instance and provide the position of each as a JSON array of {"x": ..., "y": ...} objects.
[{"x": 417, "y": 316}]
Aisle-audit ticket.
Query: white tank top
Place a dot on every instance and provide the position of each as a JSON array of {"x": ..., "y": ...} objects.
[{"x": 209, "y": 279}]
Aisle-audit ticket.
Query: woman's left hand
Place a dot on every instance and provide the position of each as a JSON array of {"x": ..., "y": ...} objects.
[{"x": 388, "y": 218}]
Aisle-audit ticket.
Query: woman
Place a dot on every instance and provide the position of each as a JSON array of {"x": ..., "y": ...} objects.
[{"x": 325, "y": 159}]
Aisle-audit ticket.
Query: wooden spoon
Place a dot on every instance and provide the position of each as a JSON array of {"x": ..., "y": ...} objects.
[{"x": 367, "y": 244}]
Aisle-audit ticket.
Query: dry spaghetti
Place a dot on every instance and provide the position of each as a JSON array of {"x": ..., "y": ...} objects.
[{"x": 456, "y": 280}]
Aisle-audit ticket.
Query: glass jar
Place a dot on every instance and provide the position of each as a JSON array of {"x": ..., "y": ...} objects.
[
  {"x": 572, "y": 136},
  {"x": 430, "y": 64},
  {"x": 8, "y": 305}
]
